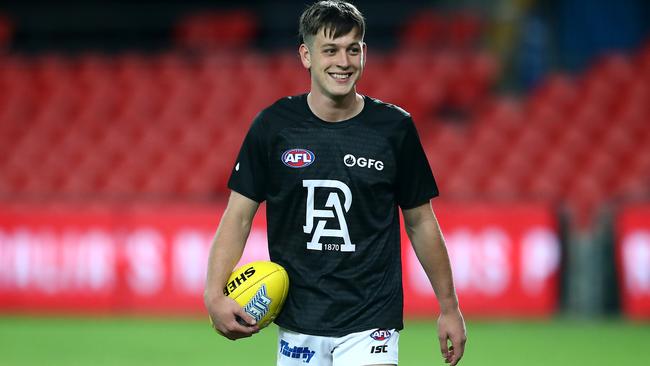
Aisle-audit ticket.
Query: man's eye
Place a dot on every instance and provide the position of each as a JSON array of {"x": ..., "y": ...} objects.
[
  {"x": 354, "y": 51},
  {"x": 329, "y": 51}
]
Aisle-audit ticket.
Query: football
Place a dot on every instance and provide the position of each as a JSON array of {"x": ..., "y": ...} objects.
[{"x": 260, "y": 288}]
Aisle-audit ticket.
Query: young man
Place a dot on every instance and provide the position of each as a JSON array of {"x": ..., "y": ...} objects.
[{"x": 333, "y": 167}]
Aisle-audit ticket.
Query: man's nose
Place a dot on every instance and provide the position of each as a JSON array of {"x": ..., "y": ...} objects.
[{"x": 343, "y": 60}]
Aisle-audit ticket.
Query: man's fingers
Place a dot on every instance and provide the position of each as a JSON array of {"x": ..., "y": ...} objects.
[
  {"x": 244, "y": 323},
  {"x": 230, "y": 320},
  {"x": 245, "y": 317},
  {"x": 233, "y": 336},
  {"x": 446, "y": 349},
  {"x": 235, "y": 330},
  {"x": 451, "y": 329},
  {"x": 443, "y": 346},
  {"x": 239, "y": 326},
  {"x": 458, "y": 347}
]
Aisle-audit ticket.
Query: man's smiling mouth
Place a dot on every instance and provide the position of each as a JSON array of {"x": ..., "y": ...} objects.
[{"x": 340, "y": 75}]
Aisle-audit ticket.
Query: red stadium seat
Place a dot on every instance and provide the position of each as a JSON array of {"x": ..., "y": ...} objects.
[
  {"x": 633, "y": 187},
  {"x": 583, "y": 198},
  {"x": 504, "y": 188},
  {"x": 464, "y": 30},
  {"x": 431, "y": 29},
  {"x": 217, "y": 29},
  {"x": 616, "y": 69},
  {"x": 6, "y": 31},
  {"x": 459, "y": 187},
  {"x": 424, "y": 30},
  {"x": 468, "y": 84}
]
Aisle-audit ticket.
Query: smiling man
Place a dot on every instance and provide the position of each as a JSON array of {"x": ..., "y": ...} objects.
[
  {"x": 335, "y": 167},
  {"x": 335, "y": 57}
]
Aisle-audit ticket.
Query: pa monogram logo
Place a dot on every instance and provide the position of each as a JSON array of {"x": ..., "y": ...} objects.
[{"x": 333, "y": 214}]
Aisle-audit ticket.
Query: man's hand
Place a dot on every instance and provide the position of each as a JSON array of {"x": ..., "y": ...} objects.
[
  {"x": 451, "y": 328},
  {"x": 224, "y": 313}
]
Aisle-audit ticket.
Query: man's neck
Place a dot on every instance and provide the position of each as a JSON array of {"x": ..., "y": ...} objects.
[{"x": 335, "y": 110}]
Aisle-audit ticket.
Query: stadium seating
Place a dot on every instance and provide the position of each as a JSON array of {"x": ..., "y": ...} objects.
[
  {"x": 217, "y": 29},
  {"x": 433, "y": 29},
  {"x": 6, "y": 31},
  {"x": 169, "y": 126}
]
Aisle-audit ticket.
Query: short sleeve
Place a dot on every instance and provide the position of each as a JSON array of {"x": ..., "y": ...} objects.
[
  {"x": 248, "y": 176},
  {"x": 415, "y": 182}
]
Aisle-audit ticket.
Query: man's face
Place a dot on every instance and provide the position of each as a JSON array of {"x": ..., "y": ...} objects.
[{"x": 335, "y": 64}]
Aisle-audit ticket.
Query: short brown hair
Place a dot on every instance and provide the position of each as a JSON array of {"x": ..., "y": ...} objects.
[{"x": 335, "y": 17}]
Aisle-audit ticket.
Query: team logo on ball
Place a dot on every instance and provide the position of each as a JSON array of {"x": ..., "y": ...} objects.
[
  {"x": 258, "y": 307},
  {"x": 298, "y": 158},
  {"x": 380, "y": 334}
]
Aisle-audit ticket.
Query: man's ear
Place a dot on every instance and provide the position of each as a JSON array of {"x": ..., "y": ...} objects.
[
  {"x": 305, "y": 56},
  {"x": 365, "y": 53}
]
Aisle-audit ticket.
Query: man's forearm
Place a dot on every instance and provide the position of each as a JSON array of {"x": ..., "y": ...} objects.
[
  {"x": 227, "y": 246},
  {"x": 429, "y": 246},
  {"x": 423, "y": 230},
  {"x": 226, "y": 250}
]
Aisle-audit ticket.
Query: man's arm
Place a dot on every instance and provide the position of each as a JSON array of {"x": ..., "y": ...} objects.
[
  {"x": 425, "y": 235},
  {"x": 227, "y": 248}
]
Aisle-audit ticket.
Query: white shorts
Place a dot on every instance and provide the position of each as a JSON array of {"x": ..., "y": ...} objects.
[{"x": 370, "y": 347}]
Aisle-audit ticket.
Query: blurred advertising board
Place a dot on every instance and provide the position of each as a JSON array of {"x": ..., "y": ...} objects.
[
  {"x": 152, "y": 259},
  {"x": 111, "y": 259},
  {"x": 633, "y": 260},
  {"x": 505, "y": 261}
]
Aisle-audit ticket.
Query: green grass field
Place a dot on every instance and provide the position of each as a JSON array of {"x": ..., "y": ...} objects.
[{"x": 155, "y": 341}]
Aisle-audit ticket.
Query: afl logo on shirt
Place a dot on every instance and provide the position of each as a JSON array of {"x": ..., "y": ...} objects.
[{"x": 298, "y": 158}]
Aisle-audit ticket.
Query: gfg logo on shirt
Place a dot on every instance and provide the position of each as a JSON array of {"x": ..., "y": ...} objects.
[
  {"x": 298, "y": 158},
  {"x": 296, "y": 352},
  {"x": 350, "y": 160}
]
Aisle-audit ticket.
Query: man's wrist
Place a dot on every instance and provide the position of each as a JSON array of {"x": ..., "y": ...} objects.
[
  {"x": 448, "y": 306},
  {"x": 210, "y": 295}
]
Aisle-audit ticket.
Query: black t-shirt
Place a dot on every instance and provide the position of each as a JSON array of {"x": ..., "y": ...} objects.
[{"x": 332, "y": 193}]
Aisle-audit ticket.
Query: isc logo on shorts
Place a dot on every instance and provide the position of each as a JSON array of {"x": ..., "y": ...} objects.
[
  {"x": 379, "y": 349},
  {"x": 298, "y": 158}
]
